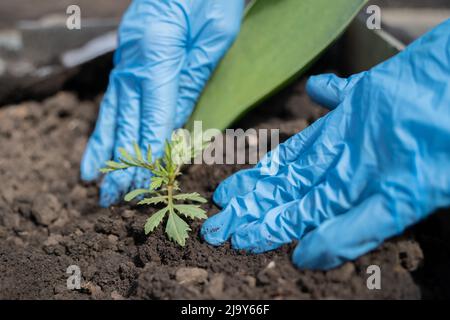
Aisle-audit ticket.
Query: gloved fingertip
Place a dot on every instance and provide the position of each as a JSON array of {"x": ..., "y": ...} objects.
[
  {"x": 240, "y": 241},
  {"x": 225, "y": 191},
  {"x": 108, "y": 197},
  {"x": 220, "y": 195},
  {"x": 303, "y": 259},
  {"x": 299, "y": 259},
  {"x": 89, "y": 170},
  {"x": 87, "y": 174},
  {"x": 310, "y": 254},
  {"x": 212, "y": 232},
  {"x": 236, "y": 185},
  {"x": 254, "y": 237},
  {"x": 324, "y": 90},
  {"x": 350, "y": 235},
  {"x": 113, "y": 187}
]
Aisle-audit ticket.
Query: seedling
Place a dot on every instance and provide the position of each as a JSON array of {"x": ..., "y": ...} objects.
[{"x": 164, "y": 187}]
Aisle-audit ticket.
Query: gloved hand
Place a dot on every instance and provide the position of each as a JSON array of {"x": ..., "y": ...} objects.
[
  {"x": 167, "y": 52},
  {"x": 376, "y": 164}
]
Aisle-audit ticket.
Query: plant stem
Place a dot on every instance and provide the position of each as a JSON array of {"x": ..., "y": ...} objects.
[{"x": 170, "y": 195}]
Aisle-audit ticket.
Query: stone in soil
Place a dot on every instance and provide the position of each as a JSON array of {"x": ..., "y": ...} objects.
[{"x": 46, "y": 209}]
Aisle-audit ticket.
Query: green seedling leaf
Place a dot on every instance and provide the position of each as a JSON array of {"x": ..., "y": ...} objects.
[
  {"x": 135, "y": 193},
  {"x": 181, "y": 152},
  {"x": 160, "y": 170},
  {"x": 126, "y": 156},
  {"x": 177, "y": 229},
  {"x": 191, "y": 211},
  {"x": 116, "y": 165},
  {"x": 154, "y": 200},
  {"x": 163, "y": 187},
  {"x": 196, "y": 197},
  {"x": 149, "y": 154},
  {"x": 167, "y": 149},
  {"x": 138, "y": 152},
  {"x": 155, "y": 220},
  {"x": 277, "y": 42},
  {"x": 156, "y": 183},
  {"x": 113, "y": 166},
  {"x": 168, "y": 160}
]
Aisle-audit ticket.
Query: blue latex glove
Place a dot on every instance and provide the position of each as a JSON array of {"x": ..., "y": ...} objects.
[
  {"x": 376, "y": 164},
  {"x": 167, "y": 52}
]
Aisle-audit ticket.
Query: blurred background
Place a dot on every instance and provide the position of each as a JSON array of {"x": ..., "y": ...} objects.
[
  {"x": 39, "y": 55},
  {"x": 12, "y": 11}
]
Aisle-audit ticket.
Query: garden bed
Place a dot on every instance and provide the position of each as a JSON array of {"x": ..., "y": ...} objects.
[{"x": 50, "y": 220}]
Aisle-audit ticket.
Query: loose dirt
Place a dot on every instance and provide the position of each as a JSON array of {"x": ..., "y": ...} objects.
[{"x": 50, "y": 220}]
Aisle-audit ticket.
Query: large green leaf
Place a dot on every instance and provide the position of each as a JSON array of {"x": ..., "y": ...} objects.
[
  {"x": 155, "y": 220},
  {"x": 191, "y": 211},
  {"x": 177, "y": 229},
  {"x": 278, "y": 40},
  {"x": 195, "y": 197}
]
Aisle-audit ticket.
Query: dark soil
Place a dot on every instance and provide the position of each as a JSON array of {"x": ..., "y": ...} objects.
[{"x": 50, "y": 220}]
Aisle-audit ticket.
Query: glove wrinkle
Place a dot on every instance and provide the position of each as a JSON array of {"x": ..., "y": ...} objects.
[{"x": 375, "y": 166}]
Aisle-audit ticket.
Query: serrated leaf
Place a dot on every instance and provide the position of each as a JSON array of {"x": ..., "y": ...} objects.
[
  {"x": 191, "y": 211},
  {"x": 138, "y": 152},
  {"x": 190, "y": 196},
  {"x": 160, "y": 170},
  {"x": 115, "y": 165},
  {"x": 133, "y": 194},
  {"x": 180, "y": 147},
  {"x": 156, "y": 168},
  {"x": 154, "y": 200},
  {"x": 168, "y": 149},
  {"x": 177, "y": 229},
  {"x": 126, "y": 156},
  {"x": 168, "y": 161},
  {"x": 129, "y": 164},
  {"x": 156, "y": 183},
  {"x": 149, "y": 154},
  {"x": 155, "y": 220}
]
